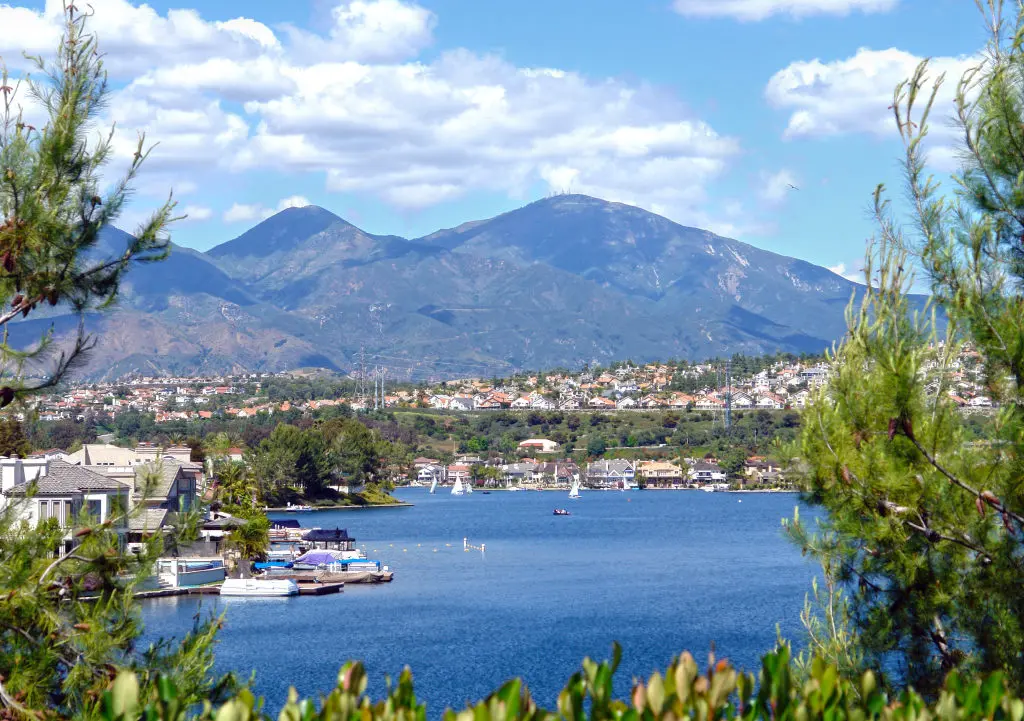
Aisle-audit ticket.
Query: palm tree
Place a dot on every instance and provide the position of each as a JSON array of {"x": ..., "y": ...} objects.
[{"x": 252, "y": 539}]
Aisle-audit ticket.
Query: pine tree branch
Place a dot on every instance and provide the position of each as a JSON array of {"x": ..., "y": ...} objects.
[
  {"x": 985, "y": 497},
  {"x": 9, "y": 701}
]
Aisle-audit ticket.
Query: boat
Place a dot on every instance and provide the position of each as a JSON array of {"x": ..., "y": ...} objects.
[
  {"x": 486, "y": 493},
  {"x": 469, "y": 488},
  {"x": 574, "y": 492},
  {"x": 513, "y": 488},
  {"x": 297, "y": 509},
  {"x": 259, "y": 587},
  {"x": 433, "y": 485},
  {"x": 562, "y": 512},
  {"x": 709, "y": 488},
  {"x": 457, "y": 489}
]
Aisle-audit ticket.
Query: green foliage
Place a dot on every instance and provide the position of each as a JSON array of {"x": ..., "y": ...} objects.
[
  {"x": 720, "y": 693},
  {"x": 924, "y": 527},
  {"x": 52, "y": 208},
  {"x": 13, "y": 442}
]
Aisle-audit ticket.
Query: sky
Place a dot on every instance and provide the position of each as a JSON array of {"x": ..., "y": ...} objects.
[{"x": 762, "y": 120}]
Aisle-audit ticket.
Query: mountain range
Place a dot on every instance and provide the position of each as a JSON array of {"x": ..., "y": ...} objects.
[{"x": 561, "y": 281}]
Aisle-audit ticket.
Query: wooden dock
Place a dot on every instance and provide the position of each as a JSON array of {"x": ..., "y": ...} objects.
[{"x": 319, "y": 589}]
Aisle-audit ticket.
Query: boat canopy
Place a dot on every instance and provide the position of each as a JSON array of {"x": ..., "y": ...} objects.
[{"x": 327, "y": 535}]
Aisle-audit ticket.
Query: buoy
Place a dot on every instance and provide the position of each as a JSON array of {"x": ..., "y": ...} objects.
[
  {"x": 404, "y": 550},
  {"x": 435, "y": 550}
]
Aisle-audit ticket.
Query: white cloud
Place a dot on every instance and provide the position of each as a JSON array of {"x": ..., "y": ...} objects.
[
  {"x": 355, "y": 106},
  {"x": 857, "y": 276},
  {"x": 369, "y": 30},
  {"x": 240, "y": 212},
  {"x": 749, "y": 10},
  {"x": 196, "y": 213},
  {"x": 776, "y": 187},
  {"x": 854, "y": 95},
  {"x": 134, "y": 37}
]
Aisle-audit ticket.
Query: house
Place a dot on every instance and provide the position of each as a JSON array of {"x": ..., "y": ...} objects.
[
  {"x": 540, "y": 444},
  {"x": 770, "y": 401},
  {"x": 705, "y": 472},
  {"x": 521, "y": 403},
  {"x": 516, "y": 474},
  {"x": 541, "y": 403},
  {"x": 458, "y": 472},
  {"x": 800, "y": 398},
  {"x": 460, "y": 403},
  {"x": 611, "y": 474},
  {"x": 601, "y": 403},
  {"x": 62, "y": 491},
  {"x": 662, "y": 474},
  {"x": 162, "y": 488},
  {"x": 626, "y": 403},
  {"x": 431, "y": 473},
  {"x": 741, "y": 400}
]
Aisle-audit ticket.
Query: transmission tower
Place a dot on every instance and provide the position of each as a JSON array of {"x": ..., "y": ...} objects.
[
  {"x": 362, "y": 373},
  {"x": 728, "y": 395}
]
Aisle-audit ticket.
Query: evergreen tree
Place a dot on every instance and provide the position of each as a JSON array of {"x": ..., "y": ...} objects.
[
  {"x": 68, "y": 618},
  {"x": 925, "y": 528}
]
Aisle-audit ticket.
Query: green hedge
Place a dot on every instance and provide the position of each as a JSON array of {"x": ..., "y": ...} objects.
[{"x": 682, "y": 692}]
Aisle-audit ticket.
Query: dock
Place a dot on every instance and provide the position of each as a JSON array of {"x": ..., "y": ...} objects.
[
  {"x": 319, "y": 589},
  {"x": 305, "y": 589}
]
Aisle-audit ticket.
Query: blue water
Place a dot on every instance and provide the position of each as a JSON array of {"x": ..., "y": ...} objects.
[{"x": 658, "y": 571}]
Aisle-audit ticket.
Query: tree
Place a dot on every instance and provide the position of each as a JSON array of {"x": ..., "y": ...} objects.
[
  {"x": 13, "y": 442},
  {"x": 924, "y": 529},
  {"x": 52, "y": 208},
  {"x": 596, "y": 446}
]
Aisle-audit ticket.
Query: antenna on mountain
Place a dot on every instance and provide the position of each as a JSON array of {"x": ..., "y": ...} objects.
[
  {"x": 361, "y": 390},
  {"x": 728, "y": 395}
]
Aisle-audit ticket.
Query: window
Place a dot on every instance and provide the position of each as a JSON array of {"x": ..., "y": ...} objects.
[{"x": 95, "y": 509}]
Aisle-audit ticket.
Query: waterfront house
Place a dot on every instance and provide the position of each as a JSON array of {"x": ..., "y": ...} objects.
[
  {"x": 458, "y": 472},
  {"x": 611, "y": 474},
  {"x": 659, "y": 474},
  {"x": 61, "y": 492},
  {"x": 516, "y": 474},
  {"x": 162, "y": 488},
  {"x": 430, "y": 473},
  {"x": 704, "y": 472}
]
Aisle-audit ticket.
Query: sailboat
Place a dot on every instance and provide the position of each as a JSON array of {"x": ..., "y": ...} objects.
[
  {"x": 457, "y": 489},
  {"x": 433, "y": 486},
  {"x": 469, "y": 487},
  {"x": 574, "y": 492}
]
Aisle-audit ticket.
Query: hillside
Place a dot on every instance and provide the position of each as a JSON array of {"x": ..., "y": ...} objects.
[{"x": 561, "y": 281}]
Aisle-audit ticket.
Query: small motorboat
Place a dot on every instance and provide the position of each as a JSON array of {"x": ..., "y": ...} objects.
[
  {"x": 297, "y": 509},
  {"x": 486, "y": 493},
  {"x": 562, "y": 512}
]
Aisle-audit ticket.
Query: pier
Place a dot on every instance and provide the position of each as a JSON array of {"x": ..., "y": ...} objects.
[{"x": 305, "y": 589}]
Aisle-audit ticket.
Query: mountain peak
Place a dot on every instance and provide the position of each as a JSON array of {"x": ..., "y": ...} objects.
[{"x": 279, "y": 232}]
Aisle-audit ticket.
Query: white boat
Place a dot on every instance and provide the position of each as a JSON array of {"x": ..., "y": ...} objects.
[
  {"x": 259, "y": 587},
  {"x": 574, "y": 492},
  {"x": 709, "y": 488},
  {"x": 433, "y": 485},
  {"x": 469, "y": 488},
  {"x": 457, "y": 489},
  {"x": 514, "y": 488},
  {"x": 297, "y": 509}
]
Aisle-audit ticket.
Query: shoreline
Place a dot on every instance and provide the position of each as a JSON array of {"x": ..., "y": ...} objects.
[
  {"x": 551, "y": 489},
  {"x": 314, "y": 509}
]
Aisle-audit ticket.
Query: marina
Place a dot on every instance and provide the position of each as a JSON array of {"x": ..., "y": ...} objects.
[{"x": 539, "y": 600}]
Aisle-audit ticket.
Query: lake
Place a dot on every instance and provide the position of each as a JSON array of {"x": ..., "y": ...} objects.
[{"x": 658, "y": 571}]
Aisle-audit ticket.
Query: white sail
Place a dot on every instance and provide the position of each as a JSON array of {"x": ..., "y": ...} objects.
[
  {"x": 433, "y": 486},
  {"x": 574, "y": 492},
  {"x": 469, "y": 487},
  {"x": 457, "y": 488}
]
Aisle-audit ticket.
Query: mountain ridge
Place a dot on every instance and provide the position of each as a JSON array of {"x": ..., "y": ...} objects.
[{"x": 561, "y": 281}]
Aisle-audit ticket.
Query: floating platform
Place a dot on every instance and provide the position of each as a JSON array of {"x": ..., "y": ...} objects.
[{"x": 305, "y": 589}]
